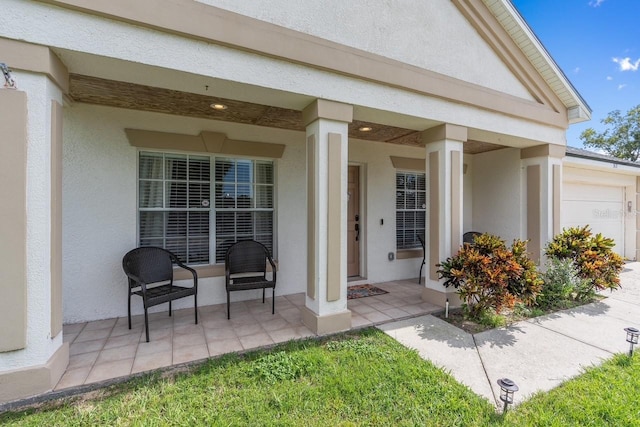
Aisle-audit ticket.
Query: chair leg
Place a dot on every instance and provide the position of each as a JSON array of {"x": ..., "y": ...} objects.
[
  {"x": 146, "y": 323},
  {"x": 195, "y": 306},
  {"x": 169, "y": 308},
  {"x": 263, "y": 289},
  {"x": 228, "y": 304},
  {"x": 273, "y": 302},
  {"x": 129, "y": 309},
  {"x": 420, "y": 276}
]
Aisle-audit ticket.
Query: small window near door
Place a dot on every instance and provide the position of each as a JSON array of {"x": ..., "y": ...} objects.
[{"x": 411, "y": 206}]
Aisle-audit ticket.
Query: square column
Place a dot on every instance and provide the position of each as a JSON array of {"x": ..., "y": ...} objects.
[
  {"x": 444, "y": 145},
  {"x": 327, "y": 126},
  {"x": 33, "y": 355},
  {"x": 542, "y": 187}
]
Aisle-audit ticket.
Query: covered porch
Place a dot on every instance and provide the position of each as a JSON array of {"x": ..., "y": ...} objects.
[{"x": 103, "y": 350}]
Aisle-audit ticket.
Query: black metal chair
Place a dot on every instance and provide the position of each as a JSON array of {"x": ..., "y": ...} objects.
[
  {"x": 470, "y": 236},
  {"x": 148, "y": 270},
  {"x": 421, "y": 238},
  {"x": 246, "y": 268}
]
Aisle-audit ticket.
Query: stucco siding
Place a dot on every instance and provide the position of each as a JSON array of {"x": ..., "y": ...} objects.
[
  {"x": 427, "y": 34},
  {"x": 97, "y": 46},
  {"x": 496, "y": 193},
  {"x": 40, "y": 345}
]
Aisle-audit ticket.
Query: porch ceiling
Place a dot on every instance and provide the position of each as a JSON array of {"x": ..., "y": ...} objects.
[{"x": 98, "y": 91}]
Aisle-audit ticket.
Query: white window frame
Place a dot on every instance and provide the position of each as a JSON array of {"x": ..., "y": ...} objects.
[
  {"x": 416, "y": 210},
  {"x": 212, "y": 207}
]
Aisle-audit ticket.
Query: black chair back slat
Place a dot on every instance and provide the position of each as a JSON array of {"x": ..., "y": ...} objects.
[
  {"x": 247, "y": 257},
  {"x": 149, "y": 264}
]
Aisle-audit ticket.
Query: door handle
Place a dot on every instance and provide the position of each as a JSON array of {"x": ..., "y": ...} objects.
[{"x": 357, "y": 231}]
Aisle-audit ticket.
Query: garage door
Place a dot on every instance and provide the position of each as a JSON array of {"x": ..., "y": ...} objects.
[{"x": 599, "y": 206}]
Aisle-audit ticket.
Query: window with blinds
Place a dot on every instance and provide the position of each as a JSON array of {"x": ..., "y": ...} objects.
[
  {"x": 175, "y": 204},
  {"x": 411, "y": 206},
  {"x": 174, "y": 197},
  {"x": 243, "y": 203}
]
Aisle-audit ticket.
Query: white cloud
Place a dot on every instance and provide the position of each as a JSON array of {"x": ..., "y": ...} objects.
[
  {"x": 595, "y": 3},
  {"x": 626, "y": 64},
  {"x": 576, "y": 70},
  {"x": 609, "y": 78},
  {"x": 622, "y": 86}
]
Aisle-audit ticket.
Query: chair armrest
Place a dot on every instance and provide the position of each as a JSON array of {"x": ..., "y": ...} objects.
[
  {"x": 133, "y": 279},
  {"x": 191, "y": 270},
  {"x": 273, "y": 267}
]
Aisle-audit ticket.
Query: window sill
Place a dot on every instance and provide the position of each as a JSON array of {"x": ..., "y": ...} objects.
[
  {"x": 409, "y": 253},
  {"x": 214, "y": 270}
]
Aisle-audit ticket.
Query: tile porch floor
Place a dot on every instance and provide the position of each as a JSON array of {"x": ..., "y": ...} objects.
[{"x": 107, "y": 349}]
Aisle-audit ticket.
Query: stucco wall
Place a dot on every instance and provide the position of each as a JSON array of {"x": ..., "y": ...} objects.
[
  {"x": 99, "y": 208},
  {"x": 496, "y": 193},
  {"x": 105, "y": 48},
  {"x": 40, "y": 345},
  {"x": 427, "y": 34}
]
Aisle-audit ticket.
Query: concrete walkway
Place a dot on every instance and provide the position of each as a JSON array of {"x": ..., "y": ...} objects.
[{"x": 538, "y": 354}]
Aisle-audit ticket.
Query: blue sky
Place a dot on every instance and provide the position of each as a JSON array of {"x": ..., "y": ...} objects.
[{"x": 597, "y": 45}]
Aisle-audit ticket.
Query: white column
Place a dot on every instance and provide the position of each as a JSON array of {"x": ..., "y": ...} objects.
[
  {"x": 541, "y": 189},
  {"x": 33, "y": 356},
  {"x": 443, "y": 237},
  {"x": 327, "y": 154}
]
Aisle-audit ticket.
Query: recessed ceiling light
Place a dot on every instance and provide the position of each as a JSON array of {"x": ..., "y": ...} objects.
[
  {"x": 218, "y": 106},
  {"x": 365, "y": 129}
]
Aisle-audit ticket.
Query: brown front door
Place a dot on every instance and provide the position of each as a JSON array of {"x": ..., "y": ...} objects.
[{"x": 354, "y": 226}]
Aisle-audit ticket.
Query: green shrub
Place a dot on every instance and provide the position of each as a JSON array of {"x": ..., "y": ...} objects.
[
  {"x": 490, "y": 276},
  {"x": 592, "y": 255},
  {"x": 562, "y": 283}
]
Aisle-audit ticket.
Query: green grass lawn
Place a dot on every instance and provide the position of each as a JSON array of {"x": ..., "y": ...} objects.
[{"x": 362, "y": 378}]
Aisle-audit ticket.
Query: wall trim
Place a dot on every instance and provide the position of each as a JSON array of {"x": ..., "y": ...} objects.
[
  {"x": 490, "y": 29},
  {"x": 328, "y": 110},
  {"x": 19, "y": 55},
  {"x": 434, "y": 214},
  {"x": 544, "y": 150},
  {"x": 56, "y": 218},
  {"x": 199, "y": 21},
  {"x": 444, "y": 132},
  {"x": 409, "y": 253},
  {"x": 533, "y": 211},
  {"x": 13, "y": 227},
  {"x": 334, "y": 216},
  {"x": 408, "y": 163},
  {"x": 205, "y": 142},
  {"x": 328, "y": 324},
  {"x": 456, "y": 199},
  {"x": 26, "y": 382},
  {"x": 557, "y": 201},
  {"x": 312, "y": 236},
  {"x": 440, "y": 298}
]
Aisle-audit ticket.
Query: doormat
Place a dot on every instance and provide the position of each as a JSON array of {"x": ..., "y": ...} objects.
[{"x": 361, "y": 291}]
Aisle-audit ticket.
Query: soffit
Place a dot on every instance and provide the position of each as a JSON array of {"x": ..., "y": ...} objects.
[
  {"x": 526, "y": 40},
  {"x": 119, "y": 94}
]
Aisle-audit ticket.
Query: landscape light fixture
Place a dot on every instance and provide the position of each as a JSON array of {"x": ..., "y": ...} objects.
[
  {"x": 632, "y": 338},
  {"x": 507, "y": 388}
]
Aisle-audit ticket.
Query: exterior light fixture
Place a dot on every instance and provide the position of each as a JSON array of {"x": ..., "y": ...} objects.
[
  {"x": 365, "y": 129},
  {"x": 632, "y": 338},
  {"x": 218, "y": 106},
  {"x": 507, "y": 388}
]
